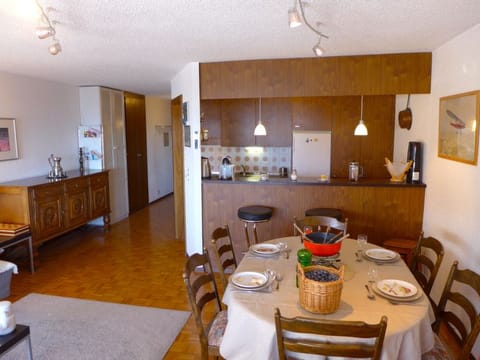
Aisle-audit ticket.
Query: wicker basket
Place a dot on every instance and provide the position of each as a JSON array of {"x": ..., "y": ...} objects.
[{"x": 317, "y": 296}]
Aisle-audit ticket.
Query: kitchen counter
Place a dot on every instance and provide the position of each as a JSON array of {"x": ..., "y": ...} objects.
[
  {"x": 254, "y": 179},
  {"x": 379, "y": 208}
]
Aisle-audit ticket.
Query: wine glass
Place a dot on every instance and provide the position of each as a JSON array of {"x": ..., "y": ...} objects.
[
  {"x": 361, "y": 242},
  {"x": 372, "y": 273}
]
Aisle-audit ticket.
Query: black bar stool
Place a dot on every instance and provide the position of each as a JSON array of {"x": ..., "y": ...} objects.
[{"x": 252, "y": 215}]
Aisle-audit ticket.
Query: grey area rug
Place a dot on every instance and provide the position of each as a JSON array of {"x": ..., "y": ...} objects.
[{"x": 66, "y": 328}]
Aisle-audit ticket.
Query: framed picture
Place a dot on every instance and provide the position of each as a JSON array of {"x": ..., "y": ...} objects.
[
  {"x": 8, "y": 140},
  {"x": 458, "y": 127}
]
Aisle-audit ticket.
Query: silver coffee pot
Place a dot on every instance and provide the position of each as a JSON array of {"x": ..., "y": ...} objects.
[{"x": 56, "y": 171}]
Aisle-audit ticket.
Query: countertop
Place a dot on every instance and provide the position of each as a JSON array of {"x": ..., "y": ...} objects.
[
  {"x": 39, "y": 180},
  {"x": 278, "y": 180}
]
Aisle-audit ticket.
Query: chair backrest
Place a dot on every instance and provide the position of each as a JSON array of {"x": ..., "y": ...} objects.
[
  {"x": 307, "y": 336},
  {"x": 426, "y": 261},
  {"x": 224, "y": 252},
  {"x": 321, "y": 223},
  {"x": 463, "y": 289},
  {"x": 202, "y": 294}
]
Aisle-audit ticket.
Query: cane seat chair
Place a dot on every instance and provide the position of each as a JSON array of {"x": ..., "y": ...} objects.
[
  {"x": 302, "y": 335},
  {"x": 457, "y": 313},
  {"x": 210, "y": 319},
  {"x": 321, "y": 223},
  {"x": 426, "y": 261},
  {"x": 224, "y": 252}
]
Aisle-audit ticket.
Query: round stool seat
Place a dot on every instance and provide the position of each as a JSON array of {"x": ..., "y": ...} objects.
[
  {"x": 255, "y": 213},
  {"x": 330, "y": 212}
]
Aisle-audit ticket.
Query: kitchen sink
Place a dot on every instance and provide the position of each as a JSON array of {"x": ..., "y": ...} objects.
[{"x": 247, "y": 177}]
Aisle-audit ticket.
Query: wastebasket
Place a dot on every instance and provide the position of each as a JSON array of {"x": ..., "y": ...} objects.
[{"x": 6, "y": 271}]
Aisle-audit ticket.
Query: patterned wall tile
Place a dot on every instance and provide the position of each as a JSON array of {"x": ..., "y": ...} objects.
[{"x": 254, "y": 159}]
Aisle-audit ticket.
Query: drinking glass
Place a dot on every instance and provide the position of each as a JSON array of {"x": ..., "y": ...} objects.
[
  {"x": 372, "y": 273},
  {"x": 361, "y": 242}
]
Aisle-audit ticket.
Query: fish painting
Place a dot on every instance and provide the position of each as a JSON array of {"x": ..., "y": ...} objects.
[{"x": 457, "y": 123}]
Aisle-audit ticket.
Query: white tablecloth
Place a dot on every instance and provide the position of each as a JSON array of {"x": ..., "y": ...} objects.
[{"x": 250, "y": 333}]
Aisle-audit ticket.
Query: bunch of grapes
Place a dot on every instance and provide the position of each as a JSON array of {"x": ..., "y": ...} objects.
[{"x": 321, "y": 275}]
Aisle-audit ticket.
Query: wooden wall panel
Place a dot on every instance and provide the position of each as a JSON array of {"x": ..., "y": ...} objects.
[
  {"x": 378, "y": 211},
  {"x": 383, "y": 74}
]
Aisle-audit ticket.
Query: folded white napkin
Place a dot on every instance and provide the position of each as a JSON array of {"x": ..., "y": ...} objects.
[{"x": 5, "y": 266}]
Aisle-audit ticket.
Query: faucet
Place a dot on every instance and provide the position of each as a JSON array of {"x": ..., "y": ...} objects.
[{"x": 244, "y": 171}]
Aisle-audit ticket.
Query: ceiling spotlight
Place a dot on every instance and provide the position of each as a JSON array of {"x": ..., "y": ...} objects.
[
  {"x": 46, "y": 29},
  {"x": 294, "y": 19},
  {"x": 317, "y": 49},
  {"x": 44, "y": 32},
  {"x": 55, "y": 48}
]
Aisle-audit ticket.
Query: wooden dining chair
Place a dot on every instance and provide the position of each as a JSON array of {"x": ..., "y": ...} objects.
[
  {"x": 426, "y": 261},
  {"x": 224, "y": 252},
  {"x": 210, "y": 319},
  {"x": 321, "y": 223},
  {"x": 305, "y": 336},
  {"x": 457, "y": 306}
]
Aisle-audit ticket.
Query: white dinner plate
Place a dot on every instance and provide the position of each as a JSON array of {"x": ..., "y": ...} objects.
[
  {"x": 249, "y": 279},
  {"x": 381, "y": 255},
  {"x": 265, "y": 249},
  {"x": 397, "y": 288}
]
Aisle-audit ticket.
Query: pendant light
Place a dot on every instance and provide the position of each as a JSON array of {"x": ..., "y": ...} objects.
[
  {"x": 260, "y": 129},
  {"x": 361, "y": 129}
]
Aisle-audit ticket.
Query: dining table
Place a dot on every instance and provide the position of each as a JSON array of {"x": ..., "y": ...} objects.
[{"x": 250, "y": 332}]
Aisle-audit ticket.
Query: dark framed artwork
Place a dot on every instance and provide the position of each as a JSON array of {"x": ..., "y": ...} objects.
[
  {"x": 8, "y": 140},
  {"x": 458, "y": 127}
]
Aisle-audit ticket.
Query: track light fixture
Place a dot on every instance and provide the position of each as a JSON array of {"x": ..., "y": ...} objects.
[
  {"x": 296, "y": 19},
  {"x": 46, "y": 29}
]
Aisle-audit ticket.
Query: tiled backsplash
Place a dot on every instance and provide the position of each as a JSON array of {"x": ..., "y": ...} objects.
[{"x": 254, "y": 159}]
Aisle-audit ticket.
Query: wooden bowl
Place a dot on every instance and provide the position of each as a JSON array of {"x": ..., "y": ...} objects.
[{"x": 314, "y": 244}]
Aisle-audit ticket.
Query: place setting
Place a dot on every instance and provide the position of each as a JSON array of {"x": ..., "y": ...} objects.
[
  {"x": 381, "y": 256},
  {"x": 396, "y": 291},
  {"x": 256, "y": 281},
  {"x": 268, "y": 250}
]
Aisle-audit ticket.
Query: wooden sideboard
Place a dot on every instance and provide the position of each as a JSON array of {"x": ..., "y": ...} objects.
[{"x": 54, "y": 207}]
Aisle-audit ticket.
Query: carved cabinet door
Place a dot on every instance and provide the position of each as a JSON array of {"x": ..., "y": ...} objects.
[
  {"x": 100, "y": 203},
  {"x": 47, "y": 204},
  {"x": 76, "y": 202}
]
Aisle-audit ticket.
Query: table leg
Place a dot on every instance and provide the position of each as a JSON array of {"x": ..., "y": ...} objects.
[
  {"x": 30, "y": 254},
  {"x": 29, "y": 348}
]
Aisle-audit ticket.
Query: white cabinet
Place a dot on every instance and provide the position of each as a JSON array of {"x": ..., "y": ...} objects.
[{"x": 104, "y": 108}]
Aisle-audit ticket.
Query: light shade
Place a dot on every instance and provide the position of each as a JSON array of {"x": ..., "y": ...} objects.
[
  {"x": 260, "y": 130},
  {"x": 294, "y": 19},
  {"x": 361, "y": 129}
]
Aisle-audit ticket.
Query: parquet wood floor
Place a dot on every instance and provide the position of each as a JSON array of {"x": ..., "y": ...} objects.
[{"x": 137, "y": 262}]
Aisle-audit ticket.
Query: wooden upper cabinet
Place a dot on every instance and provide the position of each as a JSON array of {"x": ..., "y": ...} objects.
[
  {"x": 312, "y": 113},
  {"x": 327, "y": 76},
  {"x": 276, "y": 116},
  {"x": 238, "y": 122},
  {"x": 211, "y": 120},
  {"x": 369, "y": 151}
]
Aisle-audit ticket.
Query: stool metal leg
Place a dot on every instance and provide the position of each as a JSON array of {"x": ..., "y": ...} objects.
[
  {"x": 255, "y": 233},
  {"x": 246, "y": 234}
]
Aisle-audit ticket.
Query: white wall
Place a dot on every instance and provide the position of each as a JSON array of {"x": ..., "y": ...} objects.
[
  {"x": 187, "y": 84},
  {"x": 47, "y": 116},
  {"x": 160, "y": 172},
  {"x": 452, "y": 202}
]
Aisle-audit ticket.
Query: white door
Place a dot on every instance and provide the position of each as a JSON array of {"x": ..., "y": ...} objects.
[{"x": 163, "y": 161}]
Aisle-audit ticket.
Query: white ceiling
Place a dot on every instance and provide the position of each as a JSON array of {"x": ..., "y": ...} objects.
[{"x": 139, "y": 45}]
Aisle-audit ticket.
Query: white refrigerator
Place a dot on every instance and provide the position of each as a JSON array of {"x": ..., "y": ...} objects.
[{"x": 311, "y": 153}]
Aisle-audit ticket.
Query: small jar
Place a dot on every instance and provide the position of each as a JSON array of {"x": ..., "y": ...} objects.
[{"x": 304, "y": 257}]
